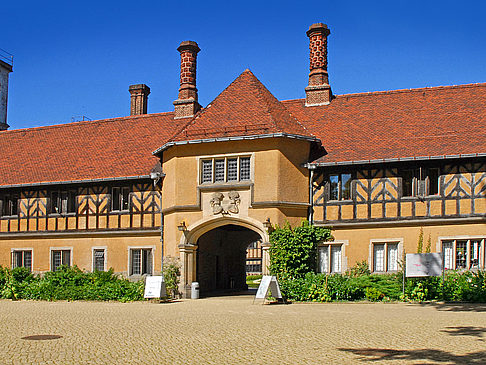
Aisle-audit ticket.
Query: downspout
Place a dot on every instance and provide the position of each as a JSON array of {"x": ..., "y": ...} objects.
[{"x": 311, "y": 194}]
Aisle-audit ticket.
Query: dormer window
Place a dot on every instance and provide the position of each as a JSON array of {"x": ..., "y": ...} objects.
[{"x": 225, "y": 169}]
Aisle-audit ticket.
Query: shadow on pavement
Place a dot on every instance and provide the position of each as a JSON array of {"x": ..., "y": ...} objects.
[
  {"x": 465, "y": 331},
  {"x": 415, "y": 356},
  {"x": 456, "y": 307}
]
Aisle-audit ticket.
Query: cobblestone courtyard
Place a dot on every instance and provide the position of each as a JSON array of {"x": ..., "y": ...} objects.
[{"x": 232, "y": 330}]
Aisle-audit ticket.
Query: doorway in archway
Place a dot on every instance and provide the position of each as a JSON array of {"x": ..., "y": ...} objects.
[{"x": 221, "y": 258}]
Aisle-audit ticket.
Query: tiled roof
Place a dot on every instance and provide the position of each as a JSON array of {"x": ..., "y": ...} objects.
[
  {"x": 244, "y": 108},
  {"x": 400, "y": 124},
  {"x": 103, "y": 149}
]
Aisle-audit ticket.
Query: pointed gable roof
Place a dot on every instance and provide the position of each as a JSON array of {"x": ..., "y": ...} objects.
[{"x": 245, "y": 109}]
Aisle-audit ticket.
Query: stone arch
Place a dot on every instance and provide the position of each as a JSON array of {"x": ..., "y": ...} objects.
[{"x": 194, "y": 247}]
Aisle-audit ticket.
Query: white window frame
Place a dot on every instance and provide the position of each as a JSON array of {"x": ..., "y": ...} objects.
[
  {"x": 120, "y": 198},
  {"x": 385, "y": 243},
  {"x": 51, "y": 249},
  {"x": 340, "y": 186},
  {"x": 129, "y": 263},
  {"x": 98, "y": 248},
  {"x": 328, "y": 246},
  {"x": 454, "y": 239},
  {"x": 225, "y": 157},
  {"x": 17, "y": 249}
]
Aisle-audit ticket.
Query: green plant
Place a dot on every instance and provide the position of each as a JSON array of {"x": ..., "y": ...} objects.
[
  {"x": 428, "y": 245},
  {"x": 373, "y": 294},
  {"x": 420, "y": 243},
  {"x": 172, "y": 274},
  {"x": 293, "y": 250},
  {"x": 361, "y": 268}
]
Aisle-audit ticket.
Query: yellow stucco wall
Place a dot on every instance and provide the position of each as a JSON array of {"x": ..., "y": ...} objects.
[
  {"x": 116, "y": 254},
  {"x": 358, "y": 240}
]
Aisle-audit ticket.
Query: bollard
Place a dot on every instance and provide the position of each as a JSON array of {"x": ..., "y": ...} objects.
[{"x": 195, "y": 290}]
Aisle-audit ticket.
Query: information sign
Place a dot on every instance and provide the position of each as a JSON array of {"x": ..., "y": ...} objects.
[
  {"x": 424, "y": 264},
  {"x": 268, "y": 282},
  {"x": 154, "y": 287}
]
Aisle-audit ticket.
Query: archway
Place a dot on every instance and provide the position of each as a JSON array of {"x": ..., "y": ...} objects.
[{"x": 221, "y": 258}]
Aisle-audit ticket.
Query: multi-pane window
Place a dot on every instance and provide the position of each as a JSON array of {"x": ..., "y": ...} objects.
[
  {"x": 22, "y": 258},
  {"x": 340, "y": 187},
  {"x": 385, "y": 257},
  {"x": 330, "y": 258},
  {"x": 99, "y": 260},
  {"x": 141, "y": 261},
  {"x": 9, "y": 205},
  {"x": 120, "y": 198},
  {"x": 225, "y": 169},
  {"x": 420, "y": 181},
  {"x": 63, "y": 202},
  {"x": 60, "y": 257},
  {"x": 463, "y": 254}
]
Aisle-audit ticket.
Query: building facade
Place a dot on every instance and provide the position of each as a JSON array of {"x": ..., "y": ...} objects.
[{"x": 205, "y": 183}]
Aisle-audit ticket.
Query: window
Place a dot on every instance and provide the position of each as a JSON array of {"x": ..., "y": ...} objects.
[
  {"x": 340, "y": 187},
  {"x": 141, "y": 261},
  {"x": 99, "y": 259},
  {"x": 463, "y": 254},
  {"x": 385, "y": 257},
  {"x": 63, "y": 202},
  {"x": 22, "y": 258},
  {"x": 60, "y": 257},
  {"x": 330, "y": 258},
  {"x": 9, "y": 205},
  {"x": 433, "y": 181},
  {"x": 120, "y": 198},
  {"x": 420, "y": 181},
  {"x": 225, "y": 169}
]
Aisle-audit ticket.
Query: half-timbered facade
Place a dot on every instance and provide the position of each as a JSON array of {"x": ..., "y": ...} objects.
[{"x": 206, "y": 184}]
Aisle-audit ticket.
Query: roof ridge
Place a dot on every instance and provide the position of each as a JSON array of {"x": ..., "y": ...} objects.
[
  {"x": 398, "y": 91},
  {"x": 83, "y": 122}
]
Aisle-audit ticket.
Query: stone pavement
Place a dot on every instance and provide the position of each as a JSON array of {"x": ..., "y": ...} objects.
[{"x": 232, "y": 330}]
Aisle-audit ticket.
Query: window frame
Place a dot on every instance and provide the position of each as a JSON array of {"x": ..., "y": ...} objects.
[
  {"x": 130, "y": 261},
  {"x": 328, "y": 246},
  {"x": 469, "y": 239},
  {"x": 340, "y": 186},
  {"x": 93, "y": 264},
  {"x": 203, "y": 181},
  {"x": 65, "y": 200},
  {"x": 23, "y": 250},
  {"x": 420, "y": 176},
  {"x": 62, "y": 250},
  {"x": 385, "y": 242},
  {"x": 121, "y": 198},
  {"x": 9, "y": 205}
]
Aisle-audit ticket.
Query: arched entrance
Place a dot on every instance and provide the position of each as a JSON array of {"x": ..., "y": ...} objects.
[
  {"x": 221, "y": 258},
  {"x": 213, "y": 252}
]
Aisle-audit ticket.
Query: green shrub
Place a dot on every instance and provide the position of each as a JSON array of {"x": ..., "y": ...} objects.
[
  {"x": 373, "y": 294},
  {"x": 172, "y": 274},
  {"x": 293, "y": 250}
]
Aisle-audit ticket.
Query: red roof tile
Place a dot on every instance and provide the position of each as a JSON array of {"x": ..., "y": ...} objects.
[
  {"x": 244, "y": 108},
  {"x": 446, "y": 120},
  {"x": 111, "y": 148}
]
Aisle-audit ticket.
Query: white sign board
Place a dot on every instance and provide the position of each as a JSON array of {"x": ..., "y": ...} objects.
[
  {"x": 268, "y": 282},
  {"x": 424, "y": 264},
  {"x": 154, "y": 287}
]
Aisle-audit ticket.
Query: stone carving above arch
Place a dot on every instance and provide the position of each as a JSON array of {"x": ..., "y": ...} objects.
[{"x": 224, "y": 205}]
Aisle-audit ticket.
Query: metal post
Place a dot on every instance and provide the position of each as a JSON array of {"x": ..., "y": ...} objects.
[{"x": 404, "y": 274}]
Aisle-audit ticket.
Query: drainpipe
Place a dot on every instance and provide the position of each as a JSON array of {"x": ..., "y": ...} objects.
[
  {"x": 311, "y": 194},
  {"x": 156, "y": 177}
]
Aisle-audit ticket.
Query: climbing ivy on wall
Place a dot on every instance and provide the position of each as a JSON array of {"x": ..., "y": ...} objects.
[{"x": 293, "y": 250}]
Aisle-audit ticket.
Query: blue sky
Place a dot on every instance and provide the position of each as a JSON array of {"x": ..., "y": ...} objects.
[{"x": 78, "y": 58}]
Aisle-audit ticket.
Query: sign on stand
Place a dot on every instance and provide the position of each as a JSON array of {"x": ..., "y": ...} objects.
[
  {"x": 423, "y": 264},
  {"x": 154, "y": 287},
  {"x": 268, "y": 283}
]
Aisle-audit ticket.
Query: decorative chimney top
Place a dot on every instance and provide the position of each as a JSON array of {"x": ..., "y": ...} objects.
[
  {"x": 138, "y": 99},
  {"x": 187, "y": 103},
  {"x": 6, "y": 66},
  {"x": 318, "y": 92}
]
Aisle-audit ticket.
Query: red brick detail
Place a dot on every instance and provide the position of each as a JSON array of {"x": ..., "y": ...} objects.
[{"x": 187, "y": 103}]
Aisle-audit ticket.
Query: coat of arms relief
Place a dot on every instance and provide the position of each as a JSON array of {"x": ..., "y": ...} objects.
[{"x": 228, "y": 204}]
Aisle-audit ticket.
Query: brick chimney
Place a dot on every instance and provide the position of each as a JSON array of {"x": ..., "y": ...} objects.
[
  {"x": 138, "y": 99},
  {"x": 5, "y": 69},
  {"x": 318, "y": 92},
  {"x": 187, "y": 105}
]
